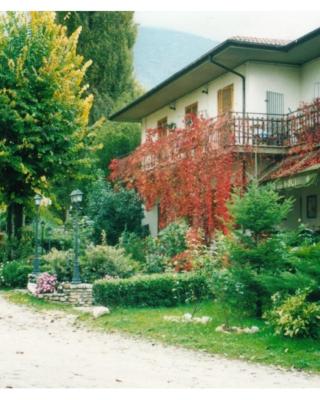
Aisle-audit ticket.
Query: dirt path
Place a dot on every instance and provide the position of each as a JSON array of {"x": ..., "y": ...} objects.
[{"x": 45, "y": 350}]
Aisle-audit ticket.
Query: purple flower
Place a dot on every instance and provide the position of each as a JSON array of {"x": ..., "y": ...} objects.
[{"x": 46, "y": 283}]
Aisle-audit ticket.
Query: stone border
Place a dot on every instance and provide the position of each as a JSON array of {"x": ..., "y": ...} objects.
[{"x": 79, "y": 294}]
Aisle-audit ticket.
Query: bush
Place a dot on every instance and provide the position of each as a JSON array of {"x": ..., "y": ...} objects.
[
  {"x": 235, "y": 289},
  {"x": 133, "y": 245},
  {"x": 14, "y": 274},
  {"x": 157, "y": 290},
  {"x": 46, "y": 283},
  {"x": 99, "y": 261},
  {"x": 60, "y": 263},
  {"x": 173, "y": 238},
  {"x": 13, "y": 249},
  {"x": 170, "y": 242},
  {"x": 294, "y": 316}
]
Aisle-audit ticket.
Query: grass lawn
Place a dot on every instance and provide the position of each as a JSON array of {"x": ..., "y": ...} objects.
[{"x": 262, "y": 347}]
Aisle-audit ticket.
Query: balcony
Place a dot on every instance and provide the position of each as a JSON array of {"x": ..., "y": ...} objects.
[
  {"x": 260, "y": 133},
  {"x": 275, "y": 133}
]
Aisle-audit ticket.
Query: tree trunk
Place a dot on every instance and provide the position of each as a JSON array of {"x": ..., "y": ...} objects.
[{"x": 15, "y": 220}]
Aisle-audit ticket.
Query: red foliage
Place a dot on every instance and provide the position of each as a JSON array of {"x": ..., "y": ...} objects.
[
  {"x": 189, "y": 172},
  {"x": 304, "y": 152},
  {"x": 183, "y": 261}
]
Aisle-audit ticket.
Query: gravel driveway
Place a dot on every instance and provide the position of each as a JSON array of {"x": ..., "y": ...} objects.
[{"x": 45, "y": 350}]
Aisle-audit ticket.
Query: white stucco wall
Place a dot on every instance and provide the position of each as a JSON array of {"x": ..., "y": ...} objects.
[
  {"x": 299, "y": 213},
  {"x": 151, "y": 219},
  {"x": 263, "y": 77},
  {"x": 310, "y": 75},
  {"x": 207, "y": 103}
]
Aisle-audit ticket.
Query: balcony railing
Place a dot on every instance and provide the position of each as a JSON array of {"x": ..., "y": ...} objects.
[
  {"x": 272, "y": 132},
  {"x": 275, "y": 129}
]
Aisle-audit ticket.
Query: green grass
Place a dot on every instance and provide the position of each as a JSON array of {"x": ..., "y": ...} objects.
[{"x": 262, "y": 347}]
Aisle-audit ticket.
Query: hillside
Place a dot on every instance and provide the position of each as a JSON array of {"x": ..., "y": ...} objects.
[{"x": 159, "y": 53}]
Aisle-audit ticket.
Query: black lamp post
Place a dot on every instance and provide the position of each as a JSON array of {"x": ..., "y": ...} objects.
[
  {"x": 76, "y": 198},
  {"x": 36, "y": 261}
]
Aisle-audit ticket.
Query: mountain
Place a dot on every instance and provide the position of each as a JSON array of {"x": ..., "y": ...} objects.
[{"x": 159, "y": 53}]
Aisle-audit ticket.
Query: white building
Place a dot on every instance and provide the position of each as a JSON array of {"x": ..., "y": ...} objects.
[{"x": 258, "y": 79}]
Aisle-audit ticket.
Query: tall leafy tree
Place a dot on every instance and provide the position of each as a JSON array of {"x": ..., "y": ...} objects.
[
  {"x": 107, "y": 38},
  {"x": 44, "y": 108}
]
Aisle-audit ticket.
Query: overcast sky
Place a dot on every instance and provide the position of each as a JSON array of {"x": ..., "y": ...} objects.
[{"x": 218, "y": 25}]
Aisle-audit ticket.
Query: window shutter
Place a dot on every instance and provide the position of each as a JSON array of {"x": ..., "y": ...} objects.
[
  {"x": 220, "y": 102},
  {"x": 225, "y": 99},
  {"x": 275, "y": 103},
  {"x": 162, "y": 126}
]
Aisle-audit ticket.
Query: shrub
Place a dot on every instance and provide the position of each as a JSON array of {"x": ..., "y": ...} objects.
[
  {"x": 133, "y": 245},
  {"x": 294, "y": 316},
  {"x": 13, "y": 249},
  {"x": 235, "y": 289},
  {"x": 99, "y": 261},
  {"x": 46, "y": 283},
  {"x": 59, "y": 262},
  {"x": 170, "y": 242},
  {"x": 157, "y": 290},
  {"x": 173, "y": 238},
  {"x": 14, "y": 274},
  {"x": 156, "y": 259}
]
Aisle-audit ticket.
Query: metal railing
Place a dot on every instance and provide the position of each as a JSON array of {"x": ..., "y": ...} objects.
[{"x": 275, "y": 129}]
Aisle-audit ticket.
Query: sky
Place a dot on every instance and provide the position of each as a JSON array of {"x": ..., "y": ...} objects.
[{"x": 219, "y": 25}]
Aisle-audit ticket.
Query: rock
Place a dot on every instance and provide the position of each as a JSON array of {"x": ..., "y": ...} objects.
[
  {"x": 187, "y": 316},
  {"x": 205, "y": 320},
  {"x": 99, "y": 311},
  {"x": 31, "y": 287},
  {"x": 96, "y": 311}
]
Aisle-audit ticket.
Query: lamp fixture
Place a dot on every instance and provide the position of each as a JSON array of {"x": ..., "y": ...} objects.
[
  {"x": 205, "y": 89},
  {"x": 173, "y": 106}
]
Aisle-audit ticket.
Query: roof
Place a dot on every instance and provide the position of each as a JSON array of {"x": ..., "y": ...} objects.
[
  {"x": 257, "y": 40},
  {"x": 294, "y": 165},
  {"x": 231, "y": 53}
]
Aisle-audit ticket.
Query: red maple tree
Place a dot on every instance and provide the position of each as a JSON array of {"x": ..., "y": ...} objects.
[{"x": 188, "y": 173}]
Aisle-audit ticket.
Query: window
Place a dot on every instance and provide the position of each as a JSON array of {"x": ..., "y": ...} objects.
[
  {"x": 225, "y": 99},
  {"x": 190, "y": 112},
  {"x": 312, "y": 206},
  {"x": 316, "y": 90},
  {"x": 275, "y": 103},
  {"x": 192, "y": 109},
  {"x": 162, "y": 126}
]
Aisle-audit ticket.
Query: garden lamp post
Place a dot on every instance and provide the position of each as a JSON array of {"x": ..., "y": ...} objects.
[
  {"x": 42, "y": 236},
  {"x": 76, "y": 198},
  {"x": 36, "y": 261},
  {"x": 49, "y": 230}
]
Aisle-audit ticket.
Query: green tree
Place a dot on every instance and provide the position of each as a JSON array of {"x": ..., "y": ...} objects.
[
  {"x": 258, "y": 254},
  {"x": 260, "y": 210},
  {"x": 113, "y": 211},
  {"x": 116, "y": 141},
  {"x": 44, "y": 108},
  {"x": 107, "y": 38}
]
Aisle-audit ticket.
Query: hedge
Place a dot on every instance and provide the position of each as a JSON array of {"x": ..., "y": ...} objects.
[
  {"x": 14, "y": 274},
  {"x": 154, "y": 290}
]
